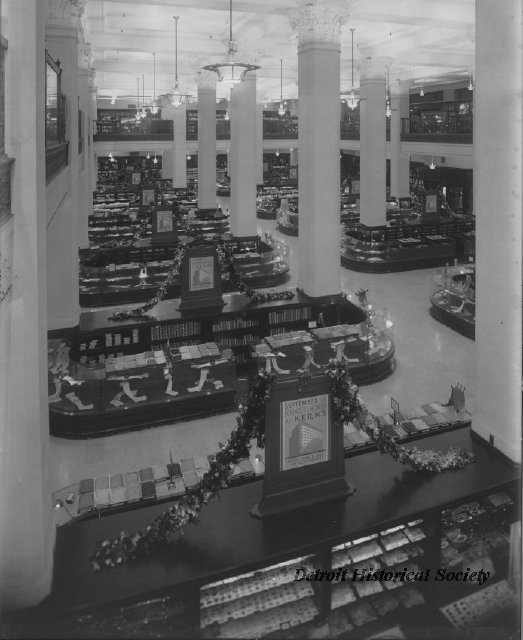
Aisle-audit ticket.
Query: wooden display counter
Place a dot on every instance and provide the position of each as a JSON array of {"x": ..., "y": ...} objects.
[{"x": 229, "y": 542}]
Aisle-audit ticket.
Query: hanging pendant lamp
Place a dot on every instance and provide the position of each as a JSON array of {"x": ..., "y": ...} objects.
[
  {"x": 281, "y": 108},
  {"x": 154, "y": 107},
  {"x": 231, "y": 70},
  {"x": 176, "y": 96},
  {"x": 351, "y": 100}
]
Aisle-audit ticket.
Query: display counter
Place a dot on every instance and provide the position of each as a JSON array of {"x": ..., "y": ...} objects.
[
  {"x": 453, "y": 300},
  {"x": 400, "y": 248},
  {"x": 263, "y": 266},
  {"x": 142, "y": 348},
  {"x": 395, "y": 519}
]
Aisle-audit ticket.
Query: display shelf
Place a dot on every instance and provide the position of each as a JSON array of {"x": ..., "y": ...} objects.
[
  {"x": 229, "y": 543},
  {"x": 453, "y": 300}
]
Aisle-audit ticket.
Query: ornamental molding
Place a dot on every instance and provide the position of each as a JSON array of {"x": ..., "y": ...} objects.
[
  {"x": 66, "y": 14},
  {"x": 85, "y": 55},
  {"x": 319, "y": 24},
  {"x": 92, "y": 79},
  {"x": 374, "y": 68}
]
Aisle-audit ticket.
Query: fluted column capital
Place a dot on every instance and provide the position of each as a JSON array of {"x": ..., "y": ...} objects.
[
  {"x": 206, "y": 79},
  {"x": 65, "y": 14},
  {"x": 85, "y": 55},
  {"x": 374, "y": 68},
  {"x": 321, "y": 24}
]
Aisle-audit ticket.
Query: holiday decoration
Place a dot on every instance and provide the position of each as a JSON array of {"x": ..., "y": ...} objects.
[{"x": 347, "y": 405}]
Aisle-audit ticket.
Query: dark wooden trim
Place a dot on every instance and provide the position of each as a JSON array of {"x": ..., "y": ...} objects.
[{"x": 56, "y": 159}]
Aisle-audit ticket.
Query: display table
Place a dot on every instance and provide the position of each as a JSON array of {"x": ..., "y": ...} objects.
[{"x": 229, "y": 542}]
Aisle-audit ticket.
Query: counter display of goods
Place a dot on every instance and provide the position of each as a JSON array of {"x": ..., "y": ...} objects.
[
  {"x": 247, "y": 579},
  {"x": 247, "y": 335},
  {"x": 287, "y": 216},
  {"x": 259, "y": 265},
  {"x": 453, "y": 300},
  {"x": 412, "y": 245}
]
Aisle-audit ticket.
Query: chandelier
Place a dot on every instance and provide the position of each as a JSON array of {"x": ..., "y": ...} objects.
[
  {"x": 177, "y": 97},
  {"x": 231, "y": 70},
  {"x": 352, "y": 101}
]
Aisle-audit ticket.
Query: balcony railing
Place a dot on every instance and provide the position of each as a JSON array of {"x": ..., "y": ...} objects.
[
  {"x": 279, "y": 127},
  {"x": 438, "y": 122},
  {"x": 147, "y": 129}
]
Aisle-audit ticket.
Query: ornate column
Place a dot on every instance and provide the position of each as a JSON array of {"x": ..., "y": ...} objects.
[
  {"x": 64, "y": 22},
  {"x": 93, "y": 116},
  {"x": 180, "y": 147},
  {"x": 84, "y": 106},
  {"x": 372, "y": 141},
  {"x": 399, "y": 163},
  {"x": 498, "y": 204},
  {"x": 318, "y": 32},
  {"x": 259, "y": 144},
  {"x": 243, "y": 157},
  {"x": 206, "y": 140},
  {"x": 27, "y": 527}
]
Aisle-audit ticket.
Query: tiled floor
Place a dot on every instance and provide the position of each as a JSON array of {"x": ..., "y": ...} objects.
[{"x": 429, "y": 355}]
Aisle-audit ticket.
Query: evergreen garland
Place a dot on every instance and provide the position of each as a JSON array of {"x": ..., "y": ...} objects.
[{"x": 250, "y": 425}]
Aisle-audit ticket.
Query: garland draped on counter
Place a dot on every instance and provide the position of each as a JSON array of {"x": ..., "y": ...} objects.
[
  {"x": 226, "y": 263},
  {"x": 250, "y": 425}
]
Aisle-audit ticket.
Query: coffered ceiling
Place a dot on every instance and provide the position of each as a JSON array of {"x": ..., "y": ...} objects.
[{"x": 429, "y": 41}]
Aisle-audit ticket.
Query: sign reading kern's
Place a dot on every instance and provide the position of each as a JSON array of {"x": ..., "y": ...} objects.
[{"x": 304, "y": 461}]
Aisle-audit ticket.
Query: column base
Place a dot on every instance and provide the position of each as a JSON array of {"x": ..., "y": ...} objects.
[{"x": 334, "y": 298}]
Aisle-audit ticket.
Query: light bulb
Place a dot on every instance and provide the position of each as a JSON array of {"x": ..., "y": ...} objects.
[
  {"x": 432, "y": 165},
  {"x": 148, "y": 156},
  {"x": 265, "y": 105},
  {"x": 471, "y": 86},
  {"x": 227, "y": 116},
  {"x": 154, "y": 110},
  {"x": 281, "y": 109},
  {"x": 277, "y": 153},
  {"x": 421, "y": 92},
  {"x": 188, "y": 157},
  {"x": 155, "y": 160}
]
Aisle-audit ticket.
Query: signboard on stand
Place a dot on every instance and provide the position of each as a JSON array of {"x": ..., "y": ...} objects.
[
  {"x": 147, "y": 197},
  {"x": 304, "y": 462},
  {"x": 164, "y": 229},
  {"x": 201, "y": 279},
  {"x": 135, "y": 180}
]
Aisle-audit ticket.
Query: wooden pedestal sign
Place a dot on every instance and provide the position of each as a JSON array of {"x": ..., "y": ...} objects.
[
  {"x": 304, "y": 462},
  {"x": 201, "y": 279},
  {"x": 164, "y": 227},
  {"x": 147, "y": 197}
]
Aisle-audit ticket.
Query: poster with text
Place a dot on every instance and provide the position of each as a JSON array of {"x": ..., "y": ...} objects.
[
  {"x": 201, "y": 273},
  {"x": 164, "y": 221},
  {"x": 305, "y": 431}
]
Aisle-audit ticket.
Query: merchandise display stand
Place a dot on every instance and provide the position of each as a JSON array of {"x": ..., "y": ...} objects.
[
  {"x": 453, "y": 302},
  {"x": 412, "y": 245},
  {"x": 393, "y": 521},
  {"x": 149, "y": 341}
]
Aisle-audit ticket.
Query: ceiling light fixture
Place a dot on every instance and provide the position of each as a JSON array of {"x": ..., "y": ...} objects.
[
  {"x": 143, "y": 112},
  {"x": 352, "y": 100},
  {"x": 421, "y": 92},
  {"x": 471, "y": 84},
  {"x": 432, "y": 165},
  {"x": 231, "y": 70},
  {"x": 281, "y": 108},
  {"x": 277, "y": 153},
  {"x": 177, "y": 97},
  {"x": 155, "y": 159},
  {"x": 189, "y": 157},
  {"x": 388, "y": 105},
  {"x": 148, "y": 156},
  {"x": 138, "y": 102},
  {"x": 154, "y": 108}
]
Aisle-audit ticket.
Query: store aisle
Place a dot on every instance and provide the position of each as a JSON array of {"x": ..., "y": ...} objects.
[{"x": 430, "y": 356}]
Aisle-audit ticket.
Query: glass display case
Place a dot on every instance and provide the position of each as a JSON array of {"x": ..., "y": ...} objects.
[
  {"x": 130, "y": 388},
  {"x": 453, "y": 300},
  {"x": 263, "y": 266},
  {"x": 411, "y": 245}
]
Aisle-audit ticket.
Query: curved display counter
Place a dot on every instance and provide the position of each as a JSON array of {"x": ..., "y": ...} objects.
[
  {"x": 121, "y": 283},
  {"x": 166, "y": 366},
  {"x": 412, "y": 245},
  {"x": 453, "y": 301}
]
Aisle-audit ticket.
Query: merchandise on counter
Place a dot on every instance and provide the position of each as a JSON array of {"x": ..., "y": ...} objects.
[
  {"x": 361, "y": 612},
  {"x": 410, "y": 596}
]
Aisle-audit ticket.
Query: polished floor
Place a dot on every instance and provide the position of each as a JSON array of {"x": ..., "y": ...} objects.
[{"x": 430, "y": 357}]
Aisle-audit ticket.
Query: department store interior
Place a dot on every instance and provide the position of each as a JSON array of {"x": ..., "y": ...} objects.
[{"x": 260, "y": 319}]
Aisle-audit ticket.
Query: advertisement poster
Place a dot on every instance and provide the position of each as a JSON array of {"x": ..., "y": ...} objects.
[
  {"x": 136, "y": 178},
  {"x": 355, "y": 186},
  {"x": 431, "y": 203},
  {"x": 201, "y": 273},
  {"x": 147, "y": 197},
  {"x": 164, "y": 221},
  {"x": 305, "y": 431}
]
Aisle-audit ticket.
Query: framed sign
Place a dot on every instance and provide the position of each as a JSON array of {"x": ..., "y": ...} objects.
[
  {"x": 201, "y": 279},
  {"x": 164, "y": 227},
  {"x": 355, "y": 186},
  {"x": 304, "y": 462},
  {"x": 136, "y": 178},
  {"x": 148, "y": 196},
  {"x": 405, "y": 203},
  {"x": 431, "y": 202}
]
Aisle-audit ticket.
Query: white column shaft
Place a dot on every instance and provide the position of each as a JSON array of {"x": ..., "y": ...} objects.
[
  {"x": 498, "y": 205},
  {"x": 206, "y": 147}
]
